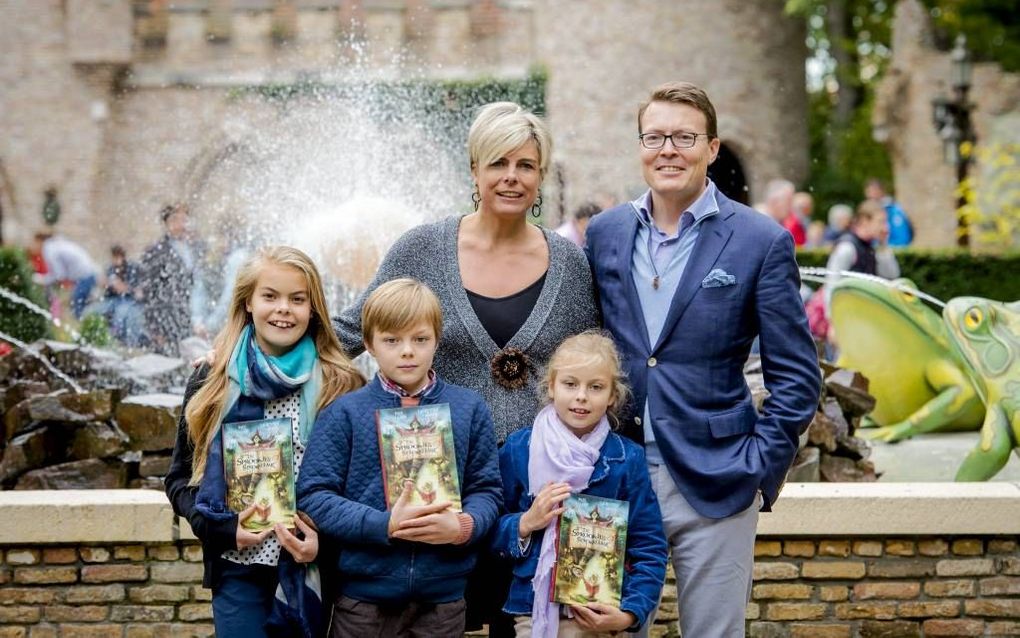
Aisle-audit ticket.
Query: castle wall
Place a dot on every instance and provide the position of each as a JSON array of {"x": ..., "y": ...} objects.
[
  {"x": 604, "y": 57},
  {"x": 117, "y": 105}
]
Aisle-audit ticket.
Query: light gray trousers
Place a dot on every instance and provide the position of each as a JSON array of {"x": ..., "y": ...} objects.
[{"x": 713, "y": 560}]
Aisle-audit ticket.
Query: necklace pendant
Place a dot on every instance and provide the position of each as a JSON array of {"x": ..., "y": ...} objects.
[{"x": 655, "y": 282}]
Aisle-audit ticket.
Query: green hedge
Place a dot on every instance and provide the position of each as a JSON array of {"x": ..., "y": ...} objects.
[
  {"x": 16, "y": 276},
  {"x": 948, "y": 274}
]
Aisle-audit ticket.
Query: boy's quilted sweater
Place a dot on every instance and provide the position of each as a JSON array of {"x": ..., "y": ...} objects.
[{"x": 341, "y": 489}]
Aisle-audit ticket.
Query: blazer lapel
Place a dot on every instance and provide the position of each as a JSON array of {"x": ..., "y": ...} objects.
[
  {"x": 712, "y": 238},
  {"x": 624, "y": 266}
]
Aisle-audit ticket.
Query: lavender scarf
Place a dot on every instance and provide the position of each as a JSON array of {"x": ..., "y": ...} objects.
[{"x": 556, "y": 454}]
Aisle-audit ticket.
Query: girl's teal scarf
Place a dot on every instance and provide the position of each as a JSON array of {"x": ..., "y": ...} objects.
[
  {"x": 253, "y": 379},
  {"x": 255, "y": 375}
]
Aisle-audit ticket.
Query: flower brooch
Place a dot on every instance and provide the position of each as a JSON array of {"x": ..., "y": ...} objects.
[{"x": 510, "y": 368}]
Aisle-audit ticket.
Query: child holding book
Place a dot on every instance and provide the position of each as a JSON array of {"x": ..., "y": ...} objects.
[
  {"x": 403, "y": 567},
  {"x": 571, "y": 449},
  {"x": 277, "y": 356}
]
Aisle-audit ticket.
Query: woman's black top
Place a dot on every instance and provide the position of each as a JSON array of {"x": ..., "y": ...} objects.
[{"x": 502, "y": 317}]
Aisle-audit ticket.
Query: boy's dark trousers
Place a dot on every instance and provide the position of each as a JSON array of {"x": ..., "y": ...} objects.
[{"x": 357, "y": 619}]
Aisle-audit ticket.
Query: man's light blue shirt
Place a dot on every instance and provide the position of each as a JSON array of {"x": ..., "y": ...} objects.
[{"x": 661, "y": 258}]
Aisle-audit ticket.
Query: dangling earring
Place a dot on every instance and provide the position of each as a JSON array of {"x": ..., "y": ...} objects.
[
  {"x": 536, "y": 208},
  {"x": 476, "y": 197}
]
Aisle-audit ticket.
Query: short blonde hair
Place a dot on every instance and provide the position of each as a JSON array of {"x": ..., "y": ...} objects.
[
  {"x": 589, "y": 347},
  {"x": 399, "y": 304},
  {"x": 501, "y": 128}
]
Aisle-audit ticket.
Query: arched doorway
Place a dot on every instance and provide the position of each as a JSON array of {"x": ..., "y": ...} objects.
[{"x": 728, "y": 175}]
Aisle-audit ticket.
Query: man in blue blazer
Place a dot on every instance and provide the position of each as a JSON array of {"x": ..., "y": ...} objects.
[{"x": 686, "y": 280}]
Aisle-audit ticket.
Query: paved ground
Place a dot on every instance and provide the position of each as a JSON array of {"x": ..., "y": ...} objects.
[{"x": 932, "y": 457}]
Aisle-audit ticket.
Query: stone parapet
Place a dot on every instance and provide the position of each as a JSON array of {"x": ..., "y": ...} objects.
[
  {"x": 85, "y": 516},
  {"x": 892, "y": 509},
  {"x": 906, "y": 559}
]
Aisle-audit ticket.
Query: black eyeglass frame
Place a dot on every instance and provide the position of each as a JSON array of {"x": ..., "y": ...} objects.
[{"x": 672, "y": 141}]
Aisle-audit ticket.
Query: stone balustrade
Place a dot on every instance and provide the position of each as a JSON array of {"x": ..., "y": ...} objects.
[{"x": 832, "y": 560}]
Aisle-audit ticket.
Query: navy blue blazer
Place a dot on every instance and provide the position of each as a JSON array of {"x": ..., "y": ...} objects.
[{"x": 718, "y": 449}]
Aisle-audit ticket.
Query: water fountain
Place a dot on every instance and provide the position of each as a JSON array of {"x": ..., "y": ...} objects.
[{"x": 339, "y": 168}]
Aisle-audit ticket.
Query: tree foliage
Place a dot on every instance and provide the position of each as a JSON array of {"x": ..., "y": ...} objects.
[
  {"x": 992, "y": 28},
  {"x": 16, "y": 319},
  {"x": 849, "y": 42}
]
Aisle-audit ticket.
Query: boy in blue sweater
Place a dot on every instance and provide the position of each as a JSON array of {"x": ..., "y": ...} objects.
[{"x": 401, "y": 571}]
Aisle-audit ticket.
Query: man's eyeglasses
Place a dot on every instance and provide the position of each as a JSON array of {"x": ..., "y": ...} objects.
[{"x": 655, "y": 141}]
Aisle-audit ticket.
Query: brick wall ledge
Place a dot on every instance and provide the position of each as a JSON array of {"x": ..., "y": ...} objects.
[
  {"x": 805, "y": 509},
  {"x": 85, "y": 516},
  {"x": 890, "y": 509}
]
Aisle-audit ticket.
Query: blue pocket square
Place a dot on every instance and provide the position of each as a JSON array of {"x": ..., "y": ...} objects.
[{"x": 717, "y": 279}]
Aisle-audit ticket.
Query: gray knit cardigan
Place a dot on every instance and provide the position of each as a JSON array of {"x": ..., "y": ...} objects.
[{"x": 566, "y": 306}]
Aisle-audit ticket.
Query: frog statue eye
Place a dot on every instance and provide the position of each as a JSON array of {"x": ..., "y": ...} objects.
[{"x": 973, "y": 319}]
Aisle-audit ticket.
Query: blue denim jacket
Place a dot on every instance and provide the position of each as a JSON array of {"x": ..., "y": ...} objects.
[{"x": 621, "y": 473}]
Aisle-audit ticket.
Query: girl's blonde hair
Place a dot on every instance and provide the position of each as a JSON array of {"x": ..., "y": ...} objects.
[
  {"x": 338, "y": 373},
  {"x": 589, "y": 348}
]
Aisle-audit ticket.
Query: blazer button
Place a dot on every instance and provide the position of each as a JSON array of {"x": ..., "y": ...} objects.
[
  {"x": 637, "y": 420},
  {"x": 652, "y": 362}
]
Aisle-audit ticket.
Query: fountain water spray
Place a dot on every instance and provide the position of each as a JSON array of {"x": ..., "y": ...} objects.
[
  {"x": 818, "y": 275},
  {"x": 18, "y": 299},
  {"x": 49, "y": 366},
  {"x": 338, "y": 166}
]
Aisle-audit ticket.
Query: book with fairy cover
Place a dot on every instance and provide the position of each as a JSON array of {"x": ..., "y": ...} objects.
[
  {"x": 258, "y": 463},
  {"x": 416, "y": 444},
  {"x": 591, "y": 549}
]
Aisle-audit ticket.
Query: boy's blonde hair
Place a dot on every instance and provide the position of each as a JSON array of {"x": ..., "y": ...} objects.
[
  {"x": 399, "y": 304},
  {"x": 589, "y": 347}
]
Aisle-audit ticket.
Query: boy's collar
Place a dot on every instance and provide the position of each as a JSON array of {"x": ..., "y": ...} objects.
[{"x": 393, "y": 388}]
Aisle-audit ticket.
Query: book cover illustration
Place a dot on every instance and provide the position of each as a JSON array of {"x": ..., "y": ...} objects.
[
  {"x": 416, "y": 444},
  {"x": 590, "y": 551},
  {"x": 258, "y": 463}
]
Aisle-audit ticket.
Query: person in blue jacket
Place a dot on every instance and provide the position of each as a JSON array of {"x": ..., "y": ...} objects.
[
  {"x": 569, "y": 449},
  {"x": 402, "y": 570}
]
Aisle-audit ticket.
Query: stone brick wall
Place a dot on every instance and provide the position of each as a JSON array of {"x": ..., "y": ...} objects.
[
  {"x": 848, "y": 560},
  {"x": 104, "y": 591},
  {"x": 803, "y": 588},
  {"x": 896, "y": 587}
]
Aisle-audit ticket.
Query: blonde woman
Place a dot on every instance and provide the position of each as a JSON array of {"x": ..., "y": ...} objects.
[
  {"x": 510, "y": 290},
  {"x": 276, "y": 357}
]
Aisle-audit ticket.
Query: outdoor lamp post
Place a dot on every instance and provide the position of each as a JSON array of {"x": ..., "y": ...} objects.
[{"x": 951, "y": 117}]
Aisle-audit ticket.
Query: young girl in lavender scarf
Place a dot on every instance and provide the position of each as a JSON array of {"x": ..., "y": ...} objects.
[
  {"x": 572, "y": 449},
  {"x": 277, "y": 357}
]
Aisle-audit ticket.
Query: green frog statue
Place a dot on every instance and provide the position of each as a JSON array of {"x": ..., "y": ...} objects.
[
  {"x": 986, "y": 335},
  {"x": 919, "y": 380}
]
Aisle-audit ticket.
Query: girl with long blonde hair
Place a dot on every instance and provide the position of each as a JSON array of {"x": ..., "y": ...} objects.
[{"x": 277, "y": 356}]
